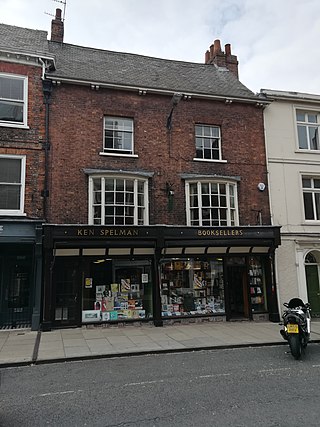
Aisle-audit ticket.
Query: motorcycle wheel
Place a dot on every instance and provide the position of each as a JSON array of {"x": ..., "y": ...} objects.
[{"x": 295, "y": 345}]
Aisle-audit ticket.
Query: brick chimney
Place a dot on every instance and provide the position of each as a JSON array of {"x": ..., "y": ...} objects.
[
  {"x": 222, "y": 59},
  {"x": 57, "y": 29}
]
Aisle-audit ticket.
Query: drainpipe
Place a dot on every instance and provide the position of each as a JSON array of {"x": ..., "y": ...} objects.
[{"x": 47, "y": 91}]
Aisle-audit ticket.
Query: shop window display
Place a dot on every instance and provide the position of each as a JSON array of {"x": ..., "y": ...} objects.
[
  {"x": 117, "y": 291},
  {"x": 257, "y": 285},
  {"x": 192, "y": 287}
]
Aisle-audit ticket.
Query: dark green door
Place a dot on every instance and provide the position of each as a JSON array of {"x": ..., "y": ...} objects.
[
  {"x": 312, "y": 277},
  {"x": 16, "y": 277}
]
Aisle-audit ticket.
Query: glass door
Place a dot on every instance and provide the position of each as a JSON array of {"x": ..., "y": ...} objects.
[
  {"x": 66, "y": 291},
  {"x": 238, "y": 301}
]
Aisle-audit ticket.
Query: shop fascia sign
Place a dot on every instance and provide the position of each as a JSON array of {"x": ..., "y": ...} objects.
[{"x": 154, "y": 231}]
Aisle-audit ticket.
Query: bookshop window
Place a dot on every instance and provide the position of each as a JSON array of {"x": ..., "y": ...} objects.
[
  {"x": 117, "y": 290},
  {"x": 192, "y": 287},
  {"x": 257, "y": 283}
]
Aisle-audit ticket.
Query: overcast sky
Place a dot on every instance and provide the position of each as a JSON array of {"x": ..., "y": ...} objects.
[{"x": 277, "y": 41}]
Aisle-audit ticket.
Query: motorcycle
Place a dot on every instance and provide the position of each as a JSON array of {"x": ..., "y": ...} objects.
[{"x": 296, "y": 325}]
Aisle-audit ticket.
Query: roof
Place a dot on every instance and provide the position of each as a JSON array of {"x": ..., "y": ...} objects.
[
  {"x": 125, "y": 70},
  {"x": 290, "y": 96},
  {"x": 23, "y": 40}
]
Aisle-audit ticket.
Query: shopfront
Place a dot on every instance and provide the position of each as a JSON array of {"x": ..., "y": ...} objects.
[
  {"x": 95, "y": 274},
  {"x": 20, "y": 274}
]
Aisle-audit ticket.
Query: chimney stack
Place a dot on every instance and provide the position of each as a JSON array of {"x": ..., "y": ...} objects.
[
  {"x": 222, "y": 59},
  {"x": 57, "y": 28}
]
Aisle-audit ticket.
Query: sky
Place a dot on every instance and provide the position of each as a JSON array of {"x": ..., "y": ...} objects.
[{"x": 277, "y": 42}]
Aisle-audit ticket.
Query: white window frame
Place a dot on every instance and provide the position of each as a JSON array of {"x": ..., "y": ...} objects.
[
  {"x": 199, "y": 182},
  {"x": 135, "y": 180},
  {"x": 116, "y": 151},
  {"x": 22, "y": 124},
  {"x": 308, "y": 126},
  {"x": 312, "y": 190},
  {"x": 18, "y": 212},
  {"x": 205, "y": 139}
]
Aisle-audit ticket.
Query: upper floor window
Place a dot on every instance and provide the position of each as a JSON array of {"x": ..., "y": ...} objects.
[
  {"x": 308, "y": 129},
  {"x": 118, "y": 200},
  {"x": 118, "y": 135},
  {"x": 12, "y": 181},
  {"x": 211, "y": 203},
  {"x": 208, "y": 142},
  {"x": 13, "y": 100},
  {"x": 311, "y": 198}
]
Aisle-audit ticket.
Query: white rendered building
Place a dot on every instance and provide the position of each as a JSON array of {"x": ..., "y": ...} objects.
[{"x": 292, "y": 122}]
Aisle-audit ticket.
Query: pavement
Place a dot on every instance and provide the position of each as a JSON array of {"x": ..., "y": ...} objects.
[{"x": 25, "y": 347}]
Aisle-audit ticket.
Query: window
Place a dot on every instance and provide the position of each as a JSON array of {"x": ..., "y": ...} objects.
[
  {"x": 12, "y": 171},
  {"x": 13, "y": 100},
  {"x": 118, "y": 135},
  {"x": 311, "y": 198},
  {"x": 308, "y": 130},
  {"x": 191, "y": 287},
  {"x": 118, "y": 201},
  {"x": 208, "y": 142},
  {"x": 211, "y": 203}
]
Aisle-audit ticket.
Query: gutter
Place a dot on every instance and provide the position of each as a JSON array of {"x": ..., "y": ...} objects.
[
  {"x": 95, "y": 85},
  {"x": 18, "y": 54}
]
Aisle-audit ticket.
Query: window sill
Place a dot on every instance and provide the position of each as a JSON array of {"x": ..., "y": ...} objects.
[
  {"x": 311, "y": 222},
  {"x": 306, "y": 151},
  {"x": 118, "y": 154},
  {"x": 209, "y": 160},
  {"x": 11, "y": 213},
  {"x": 13, "y": 125}
]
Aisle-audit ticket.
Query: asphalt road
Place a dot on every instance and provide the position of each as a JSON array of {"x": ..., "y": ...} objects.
[{"x": 238, "y": 387}]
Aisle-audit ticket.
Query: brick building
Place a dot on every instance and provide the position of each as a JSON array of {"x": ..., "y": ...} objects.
[
  {"x": 22, "y": 173},
  {"x": 157, "y": 204}
]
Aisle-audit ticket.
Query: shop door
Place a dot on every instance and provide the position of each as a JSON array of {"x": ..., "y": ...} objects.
[
  {"x": 312, "y": 276},
  {"x": 237, "y": 292},
  {"x": 66, "y": 296},
  {"x": 15, "y": 286}
]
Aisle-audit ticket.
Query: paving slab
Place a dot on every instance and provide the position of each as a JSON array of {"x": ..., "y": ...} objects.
[{"x": 21, "y": 347}]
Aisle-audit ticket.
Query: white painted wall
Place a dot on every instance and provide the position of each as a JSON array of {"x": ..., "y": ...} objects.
[{"x": 286, "y": 165}]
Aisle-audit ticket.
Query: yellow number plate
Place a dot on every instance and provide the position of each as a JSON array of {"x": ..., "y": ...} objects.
[{"x": 292, "y": 329}]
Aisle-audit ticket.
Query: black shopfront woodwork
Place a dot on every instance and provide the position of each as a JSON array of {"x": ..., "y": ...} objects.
[{"x": 158, "y": 273}]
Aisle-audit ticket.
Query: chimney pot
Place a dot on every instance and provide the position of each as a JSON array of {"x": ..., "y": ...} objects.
[
  {"x": 227, "y": 49},
  {"x": 216, "y": 46},
  {"x": 58, "y": 14},
  {"x": 211, "y": 51}
]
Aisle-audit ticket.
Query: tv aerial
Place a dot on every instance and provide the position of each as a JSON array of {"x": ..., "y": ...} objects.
[{"x": 64, "y": 2}]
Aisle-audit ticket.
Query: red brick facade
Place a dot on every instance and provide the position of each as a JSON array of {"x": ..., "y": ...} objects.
[
  {"x": 76, "y": 136},
  {"x": 28, "y": 142}
]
